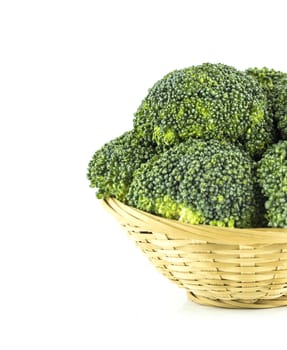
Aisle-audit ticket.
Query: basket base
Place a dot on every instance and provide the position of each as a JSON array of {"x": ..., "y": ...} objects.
[{"x": 239, "y": 304}]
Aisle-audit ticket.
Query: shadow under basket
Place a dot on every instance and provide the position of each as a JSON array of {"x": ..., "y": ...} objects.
[{"x": 225, "y": 267}]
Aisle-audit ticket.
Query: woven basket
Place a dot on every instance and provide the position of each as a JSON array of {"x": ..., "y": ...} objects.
[{"x": 232, "y": 268}]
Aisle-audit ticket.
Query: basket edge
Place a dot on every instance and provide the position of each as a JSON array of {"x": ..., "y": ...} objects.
[{"x": 176, "y": 229}]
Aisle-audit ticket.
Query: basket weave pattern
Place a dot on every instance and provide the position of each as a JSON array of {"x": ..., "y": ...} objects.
[{"x": 233, "y": 268}]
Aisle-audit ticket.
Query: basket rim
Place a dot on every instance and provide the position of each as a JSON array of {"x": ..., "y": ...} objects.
[{"x": 178, "y": 230}]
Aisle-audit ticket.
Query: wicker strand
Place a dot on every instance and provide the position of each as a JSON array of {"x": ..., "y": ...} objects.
[{"x": 231, "y": 268}]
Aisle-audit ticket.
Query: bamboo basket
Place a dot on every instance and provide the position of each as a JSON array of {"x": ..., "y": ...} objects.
[{"x": 225, "y": 267}]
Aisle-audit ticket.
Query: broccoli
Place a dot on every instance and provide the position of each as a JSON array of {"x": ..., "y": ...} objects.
[
  {"x": 272, "y": 176},
  {"x": 209, "y": 146},
  {"x": 280, "y": 102},
  {"x": 274, "y": 84},
  {"x": 111, "y": 167},
  {"x": 199, "y": 182},
  {"x": 210, "y": 101}
]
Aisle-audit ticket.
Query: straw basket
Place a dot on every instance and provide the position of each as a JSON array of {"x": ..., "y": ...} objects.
[{"x": 232, "y": 268}]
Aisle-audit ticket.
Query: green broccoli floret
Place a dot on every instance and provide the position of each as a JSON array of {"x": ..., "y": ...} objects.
[
  {"x": 272, "y": 175},
  {"x": 199, "y": 182},
  {"x": 274, "y": 84},
  {"x": 112, "y": 167},
  {"x": 210, "y": 101},
  {"x": 268, "y": 79},
  {"x": 280, "y": 102}
]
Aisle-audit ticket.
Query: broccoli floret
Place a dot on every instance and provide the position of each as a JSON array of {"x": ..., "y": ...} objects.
[
  {"x": 280, "y": 102},
  {"x": 272, "y": 175},
  {"x": 268, "y": 79},
  {"x": 199, "y": 182},
  {"x": 274, "y": 84},
  {"x": 210, "y": 101},
  {"x": 112, "y": 167}
]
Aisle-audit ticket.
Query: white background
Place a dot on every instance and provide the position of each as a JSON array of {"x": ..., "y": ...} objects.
[{"x": 72, "y": 74}]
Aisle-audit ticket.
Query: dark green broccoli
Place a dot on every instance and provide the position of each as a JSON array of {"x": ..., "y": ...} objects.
[
  {"x": 112, "y": 167},
  {"x": 210, "y": 101},
  {"x": 272, "y": 175},
  {"x": 281, "y": 108},
  {"x": 199, "y": 182},
  {"x": 274, "y": 84}
]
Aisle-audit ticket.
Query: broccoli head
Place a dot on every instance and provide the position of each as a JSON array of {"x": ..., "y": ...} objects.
[
  {"x": 112, "y": 167},
  {"x": 199, "y": 182},
  {"x": 274, "y": 84},
  {"x": 210, "y": 101},
  {"x": 280, "y": 102},
  {"x": 272, "y": 175}
]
